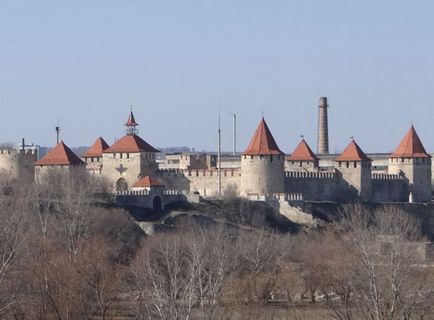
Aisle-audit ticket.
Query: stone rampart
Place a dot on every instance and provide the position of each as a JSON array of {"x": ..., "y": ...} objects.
[
  {"x": 389, "y": 188},
  {"x": 315, "y": 186},
  {"x": 19, "y": 164},
  {"x": 202, "y": 181}
]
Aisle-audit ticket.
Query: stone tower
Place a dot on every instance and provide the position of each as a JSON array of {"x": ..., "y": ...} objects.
[
  {"x": 129, "y": 159},
  {"x": 302, "y": 159},
  {"x": 61, "y": 159},
  {"x": 93, "y": 156},
  {"x": 323, "y": 127},
  {"x": 354, "y": 168},
  {"x": 262, "y": 164},
  {"x": 411, "y": 160},
  {"x": 18, "y": 164}
]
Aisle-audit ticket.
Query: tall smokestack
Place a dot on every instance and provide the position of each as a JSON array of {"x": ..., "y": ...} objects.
[{"x": 323, "y": 127}]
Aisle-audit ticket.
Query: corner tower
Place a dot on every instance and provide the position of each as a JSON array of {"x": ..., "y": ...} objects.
[
  {"x": 354, "y": 166},
  {"x": 411, "y": 160},
  {"x": 323, "y": 126},
  {"x": 262, "y": 164},
  {"x": 61, "y": 159}
]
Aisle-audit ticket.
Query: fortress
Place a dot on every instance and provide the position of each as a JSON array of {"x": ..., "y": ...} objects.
[{"x": 261, "y": 172}]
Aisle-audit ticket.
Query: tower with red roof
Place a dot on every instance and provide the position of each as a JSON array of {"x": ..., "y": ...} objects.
[
  {"x": 302, "y": 159},
  {"x": 129, "y": 159},
  {"x": 354, "y": 166},
  {"x": 411, "y": 160},
  {"x": 93, "y": 156},
  {"x": 60, "y": 158},
  {"x": 262, "y": 164}
]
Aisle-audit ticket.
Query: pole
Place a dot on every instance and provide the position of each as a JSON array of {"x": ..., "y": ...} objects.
[
  {"x": 219, "y": 157},
  {"x": 234, "y": 152}
]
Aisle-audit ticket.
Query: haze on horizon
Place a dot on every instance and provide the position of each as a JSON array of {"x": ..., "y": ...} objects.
[{"x": 79, "y": 63}]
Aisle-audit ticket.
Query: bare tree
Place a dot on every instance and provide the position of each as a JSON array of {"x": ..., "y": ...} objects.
[
  {"x": 13, "y": 226},
  {"x": 100, "y": 276},
  {"x": 165, "y": 280},
  {"x": 212, "y": 257},
  {"x": 260, "y": 262},
  {"x": 373, "y": 267}
]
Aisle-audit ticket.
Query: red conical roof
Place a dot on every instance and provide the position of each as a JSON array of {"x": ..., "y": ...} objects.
[
  {"x": 131, "y": 120},
  {"x": 130, "y": 144},
  {"x": 353, "y": 153},
  {"x": 60, "y": 155},
  {"x": 303, "y": 153},
  {"x": 263, "y": 142},
  {"x": 147, "y": 182},
  {"x": 410, "y": 147},
  {"x": 96, "y": 149}
]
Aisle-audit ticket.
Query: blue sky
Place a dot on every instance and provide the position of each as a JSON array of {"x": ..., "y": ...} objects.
[{"x": 81, "y": 62}]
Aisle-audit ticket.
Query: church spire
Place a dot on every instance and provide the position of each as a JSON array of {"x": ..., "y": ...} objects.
[{"x": 131, "y": 123}]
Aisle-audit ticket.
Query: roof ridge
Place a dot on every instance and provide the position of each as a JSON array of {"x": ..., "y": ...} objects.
[
  {"x": 131, "y": 143},
  {"x": 410, "y": 146},
  {"x": 303, "y": 152},
  {"x": 262, "y": 142},
  {"x": 353, "y": 152},
  {"x": 97, "y": 148},
  {"x": 61, "y": 154}
]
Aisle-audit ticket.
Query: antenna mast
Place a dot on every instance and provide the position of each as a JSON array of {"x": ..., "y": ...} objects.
[{"x": 58, "y": 133}]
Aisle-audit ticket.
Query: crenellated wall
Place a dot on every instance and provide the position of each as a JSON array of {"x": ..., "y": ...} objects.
[
  {"x": 204, "y": 182},
  {"x": 389, "y": 188},
  {"x": 314, "y": 186},
  {"x": 19, "y": 164}
]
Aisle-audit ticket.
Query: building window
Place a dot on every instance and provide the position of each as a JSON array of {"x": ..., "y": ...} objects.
[
  {"x": 128, "y": 155},
  {"x": 301, "y": 164},
  {"x": 355, "y": 164},
  {"x": 114, "y": 155},
  {"x": 348, "y": 164}
]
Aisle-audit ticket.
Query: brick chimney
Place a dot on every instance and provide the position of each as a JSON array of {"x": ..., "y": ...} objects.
[{"x": 323, "y": 130}]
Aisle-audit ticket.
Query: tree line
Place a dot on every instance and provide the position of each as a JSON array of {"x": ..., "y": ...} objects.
[{"x": 66, "y": 253}]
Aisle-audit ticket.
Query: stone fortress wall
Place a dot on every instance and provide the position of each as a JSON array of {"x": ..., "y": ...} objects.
[
  {"x": 202, "y": 181},
  {"x": 314, "y": 186},
  {"x": 18, "y": 164},
  {"x": 261, "y": 171}
]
